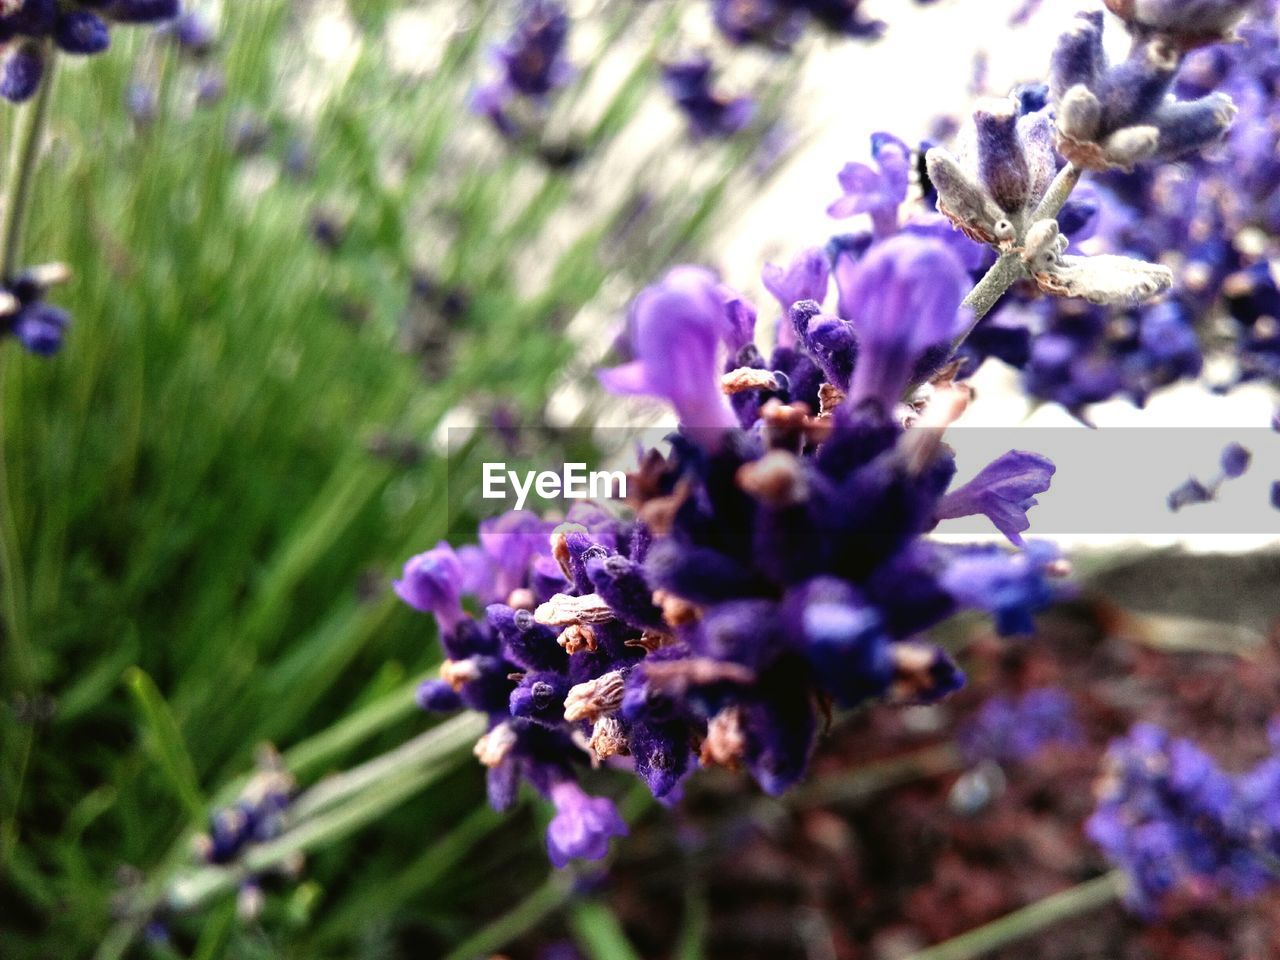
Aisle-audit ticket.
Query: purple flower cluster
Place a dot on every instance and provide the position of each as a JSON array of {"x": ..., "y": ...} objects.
[
  {"x": 775, "y": 562},
  {"x": 1176, "y": 823},
  {"x": 81, "y": 27},
  {"x": 256, "y": 816},
  {"x": 531, "y": 65},
  {"x": 1212, "y": 217},
  {"x": 1007, "y": 730},
  {"x": 777, "y": 24},
  {"x": 24, "y": 314},
  {"x": 709, "y": 114}
]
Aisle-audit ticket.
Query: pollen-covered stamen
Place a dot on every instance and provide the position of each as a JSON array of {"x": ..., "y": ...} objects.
[
  {"x": 492, "y": 748},
  {"x": 576, "y": 638},
  {"x": 560, "y": 546},
  {"x": 608, "y": 739},
  {"x": 651, "y": 640},
  {"x": 676, "y": 611},
  {"x": 522, "y": 598},
  {"x": 944, "y": 407},
  {"x": 676, "y": 675},
  {"x": 456, "y": 673},
  {"x": 563, "y": 610},
  {"x": 922, "y": 673},
  {"x": 725, "y": 743},
  {"x": 776, "y": 479},
  {"x": 829, "y": 397},
  {"x": 790, "y": 425},
  {"x": 748, "y": 378},
  {"x": 595, "y": 698}
]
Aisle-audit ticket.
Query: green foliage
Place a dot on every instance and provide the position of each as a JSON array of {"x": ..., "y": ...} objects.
[{"x": 195, "y": 539}]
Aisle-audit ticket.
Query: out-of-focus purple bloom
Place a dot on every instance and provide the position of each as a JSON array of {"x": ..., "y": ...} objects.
[
  {"x": 1115, "y": 116},
  {"x": 1235, "y": 460},
  {"x": 1190, "y": 23},
  {"x": 1007, "y": 730},
  {"x": 583, "y": 825},
  {"x": 531, "y": 64},
  {"x": 777, "y": 24},
  {"x": 1173, "y": 821},
  {"x": 902, "y": 298},
  {"x": 433, "y": 583},
  {"x": 24, "y": 314},
  {"x": 76, "y": 28},
  {"x": 805, "y": 278},
  {"x": 675, "y": 331},
  {"x": 709, "y": 114},
  {"x": 1190, "y": 492},
  {"x": 878, "y": 191},
  {"x": 1012, "y": 587},
  {"x": 141, "y": 101},
  {"x": 23, "y": 71},
  {"x": 1004, "y": 490}
]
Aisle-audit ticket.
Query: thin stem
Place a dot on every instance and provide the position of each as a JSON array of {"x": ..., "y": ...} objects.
[
  {"x": 340, "y": 804},
  {"x": 26, "y": 152},
  {"x": 871, "y": 779},
  {"x": 1083, "y": 898},
  {"x": 445, "y": 739},
  {"x": 1009, "y": 268},
  {"x": 526, "y": 915}
]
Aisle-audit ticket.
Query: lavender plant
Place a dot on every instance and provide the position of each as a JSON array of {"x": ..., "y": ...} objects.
[
  {"x": 777, "y": 561},
  {"x": 35, "y": 31},
  {"x": 1208, "y": 218}
]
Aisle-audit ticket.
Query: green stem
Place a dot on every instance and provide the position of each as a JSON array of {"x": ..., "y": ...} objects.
[
  {"x": 336, "y": 806},
  {"x": 444, "y": 740},
  {"x": 1009, "y": 268},
  {"x": 1020, "y": 924},
  {"x": 26, "y": 153},
  {"x": 871, "y": 779},
  {"x": 526, "y": 915}
]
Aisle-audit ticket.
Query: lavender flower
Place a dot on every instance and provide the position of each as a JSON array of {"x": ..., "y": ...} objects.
[
  {"x": 1003, "y": 491},
  {"x": 24, "y": 314},
  {"x": 582, "y": 826},
  {"x": 879, "y": 192},
  {"x": 1008, "y": 731},
  {"x": 1188, "y": 23},
  {"x": 1116, "y": 116},
  {"x": 710, "y": 115},
  {"x": 73, "y": 26},
  {"x": 531, "y": 65},
  {"x": 1173, "y": 821},
  {"x": 779, "y": 23}
]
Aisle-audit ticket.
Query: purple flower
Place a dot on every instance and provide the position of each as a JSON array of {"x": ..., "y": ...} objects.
[
  {"x": 805, "y": 278},
  {"x": 23, "y": 71},
  {"x": 24, "y": 314},
  {"x": 1114, "y": 116},
  {"x": 903, "y": 298},
  {"x": 1003, "y": 491},
  {"x": 583, "y": 825},
  {"x": 879, "y": 191},
  {"x": 1171, "y": 819},
  {"x": 1189, "y": 22},
  {"x": 1010, "y": 731},
  {"x": 433, "y": 583},
  {"x": 709, "y": 114},
  {"x": 1012, "y": 587},
  {"x": 1235, "y": 461},
  {"x": 675, "y": 332},
  {"x": 531, "y": 63}
]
